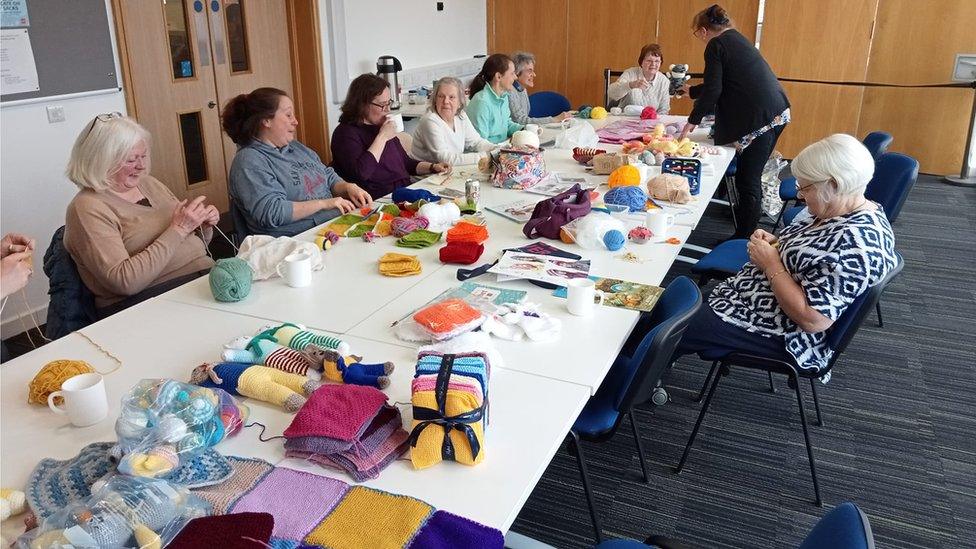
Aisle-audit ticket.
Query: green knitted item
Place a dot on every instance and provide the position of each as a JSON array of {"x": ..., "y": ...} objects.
[
  {"x": 359, "y": 230},
  {"x": 230, "y": 279},
  {"x": 347, "y": 219},
  {"x": 391, "y": 209},
  {"x": 420, "y": 238}
]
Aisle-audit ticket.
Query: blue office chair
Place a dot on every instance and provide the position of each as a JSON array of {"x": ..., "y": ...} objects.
[
  {"x": 844, "y": 527},
  {"x": 838, "y": 338},
  {"x": 877, "y": 143},
  {"x": 241, "y": 230},
  {"x": 634, "y": 377},
  {"x": 547, "y": 103}
]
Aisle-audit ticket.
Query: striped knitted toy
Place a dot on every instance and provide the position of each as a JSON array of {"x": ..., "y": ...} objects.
[
  {"x": 295, "y": 336},
  {"x": 260, "y": 382},
  {"x": 349, "y": 369},
  {"x": 266, "y": 351}
]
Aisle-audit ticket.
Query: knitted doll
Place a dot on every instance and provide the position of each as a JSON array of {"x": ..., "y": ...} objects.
[
  {"x": 260, "y": 382},
  {"x": 264, "y": 350},
  {"x": 295, "y": 336},
  {"x": 350, "y": 370}
]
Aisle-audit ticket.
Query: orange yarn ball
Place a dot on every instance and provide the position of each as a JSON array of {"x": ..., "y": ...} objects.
[
  {"x": 624, "y": 176},
  {"x": 51, "y": 376}
]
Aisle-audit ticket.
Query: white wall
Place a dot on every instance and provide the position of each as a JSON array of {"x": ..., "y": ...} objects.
[
  {"x": 428, "y": 43},
  {"x": 33, "y": 189}
]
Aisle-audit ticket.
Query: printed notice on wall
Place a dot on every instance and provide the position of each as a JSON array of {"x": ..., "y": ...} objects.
[
  {"x": 13, "y": 13},
  {"x": 18, "y": 73}
]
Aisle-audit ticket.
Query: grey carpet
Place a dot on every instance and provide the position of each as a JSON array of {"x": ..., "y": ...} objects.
[{"x": 899, "y": 439}]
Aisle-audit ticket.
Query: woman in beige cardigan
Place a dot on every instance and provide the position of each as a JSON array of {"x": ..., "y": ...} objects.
[{"x": 130, "y": 237}]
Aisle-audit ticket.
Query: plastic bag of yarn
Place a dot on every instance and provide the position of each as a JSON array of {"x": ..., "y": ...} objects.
[
  {"x": 578, "y": 134},
  {"x": 230, "y": 279},
  {"x": 588, "y": 231},
  {"x": 50, "y": 378},
  {"x": 124, "y": 512},
  {"x": 164, "y": 423},
  {"x": 633, "y": 197},
  {"x": 441, "y": 215}
]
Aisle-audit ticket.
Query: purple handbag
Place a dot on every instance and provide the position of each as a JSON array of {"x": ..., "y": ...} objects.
[{"x": 551, "y": 214}]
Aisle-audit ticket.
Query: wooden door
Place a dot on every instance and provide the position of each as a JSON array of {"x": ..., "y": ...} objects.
[
  {"x": 250, "y": 50},
  {"x": 539, "y": 27},
  {"x": 169, "y": 73}
]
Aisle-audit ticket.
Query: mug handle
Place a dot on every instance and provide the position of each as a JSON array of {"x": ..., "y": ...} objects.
[
  {"x": 602, "y": 295},
  {"x": 50, "y": 402},
  {"x": 278, "y": 269},
  {"x": 671, "y": 219}
]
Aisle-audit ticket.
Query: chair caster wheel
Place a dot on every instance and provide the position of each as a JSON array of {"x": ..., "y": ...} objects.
[{"x": 660, "y": 397}]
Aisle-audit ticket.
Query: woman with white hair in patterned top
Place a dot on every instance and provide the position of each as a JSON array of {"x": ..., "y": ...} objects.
[{"x": 796, "y": 285}]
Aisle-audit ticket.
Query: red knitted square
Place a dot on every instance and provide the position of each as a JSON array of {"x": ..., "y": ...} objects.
[
  {"x": 337, "y": 411},
  {"x": 461, "y": 253}
]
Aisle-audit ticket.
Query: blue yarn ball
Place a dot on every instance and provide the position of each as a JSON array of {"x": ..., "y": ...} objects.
[
  {"x": 633, "y": 197},
  {"x": 614, "y": 240},
  {"x": 230, "y": 279}
]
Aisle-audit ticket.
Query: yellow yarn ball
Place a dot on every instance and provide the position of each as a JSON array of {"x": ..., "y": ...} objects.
[
  {"x": 598, "y": 113},
  {"x": 51, "y": 376},
  {"x": 624, "y": 176}
]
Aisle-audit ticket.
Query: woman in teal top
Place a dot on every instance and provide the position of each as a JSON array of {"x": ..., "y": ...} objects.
[{"x": 488, "y": 108}]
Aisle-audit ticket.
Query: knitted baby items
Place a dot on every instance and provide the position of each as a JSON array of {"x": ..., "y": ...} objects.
[
  {"x": 624, "y": 176},
  {"x": 53, "y": 483},
  {"x": 350, "y": 369},
  {"x": 126, "y": 512},
  {"x": 341, "y": 224},
  {"x": 164, "y": 424},
  {"x": 461, "y": 253},
  {"x": 633, "y": 197},
  {"x": 598, "y": 113},
  {"x": 337, "y": 411},
  {"x": 392, "y": 264},
  {"x": 440, "y": 216},
  {"x": 260, "y": 382},
  {"x": 236, "y": 531},
  {"x": 406, "y": 194},
  {"x": 230, "y": 279},
  {"x": 449, "y": 423},
  {"x": 640, "y": 235},
  {"x": 12, "y": 502},
  {"x": 295, "y": 336},
  {"x": 669, "y": 187},
  {"x": 467, "y": 232},
  {"x": 50, "y": 378},
  {"x": 405, "y": 225},
  {"x": 519, "y": 321},
  {"x": 263, "y": 253},
  {"x": 448, "y": 318},
  {"x": 265, "y": 350},
  {"x": 419, "y": 238}
]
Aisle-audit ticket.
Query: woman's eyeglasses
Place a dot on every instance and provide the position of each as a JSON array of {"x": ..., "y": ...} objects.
[
  {"x": 387, "y": 105},
  {"x": 800, "y": 189},
  {"x": 101, "y": 118}
]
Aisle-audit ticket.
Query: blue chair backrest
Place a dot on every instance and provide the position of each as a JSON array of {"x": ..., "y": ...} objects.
[
  {"x": 547, "y": 103},
  {"x": 894, "y": 176},
  {"x": 72, "y": 304},
  {"x": 662, "y": 330},
  {"x": 877, "y": 143},
  {"x": 844, "y": 328},
  {"x": 845, "y": 527},
  {"x": 241, "y": 230}
]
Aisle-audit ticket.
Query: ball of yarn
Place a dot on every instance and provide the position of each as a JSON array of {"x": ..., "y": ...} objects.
[
  {"x": 648, "y": 113},
  {"x": 405, "y": 225},
  {"x": 51, "y": 376},
  {"x": 598, "y": 113},
  {"x": 440, "y": 216},
  {"x": 633, "y": 197},
  {"x": 14, "y": 502},
  {"x": 192, "y": 442},
  {"x": 230, "y": 279},
  {"x": 171, "y": 429},
  {"x": 614, "y": 240},
  {"x": 584, "y": 112},
  {"x": 523, "y": 138},
  {"x": 647, "y": 157},
  {"x": 624, "y": 176}
]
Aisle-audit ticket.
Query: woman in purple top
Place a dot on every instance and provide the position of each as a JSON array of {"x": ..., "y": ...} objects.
[{"x": 364, "y": 145}]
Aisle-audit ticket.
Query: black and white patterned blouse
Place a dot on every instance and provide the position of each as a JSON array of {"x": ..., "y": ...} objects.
[{"x": 833, "y": 263}]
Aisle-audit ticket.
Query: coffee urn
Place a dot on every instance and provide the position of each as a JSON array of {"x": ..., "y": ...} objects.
[{"x": 389, "y": 68}]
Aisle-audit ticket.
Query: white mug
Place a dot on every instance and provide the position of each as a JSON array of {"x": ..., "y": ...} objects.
[
  {"x": 84, "y": 397},
  {"x": 534, "y": 128},
  {"x": 580, "y": 293},
  {"x": 297, "y": 270},
  {"x": 658, "y": 222},
  {"x": 397, "y": 121}
]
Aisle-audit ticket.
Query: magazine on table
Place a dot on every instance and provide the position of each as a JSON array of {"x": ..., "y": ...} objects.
[
  {"x": 558, "y": 184},
  {"x": 519, "y": 211},
  {"x": 623, "y": 294},
  {"x": 545, "y": 268}
]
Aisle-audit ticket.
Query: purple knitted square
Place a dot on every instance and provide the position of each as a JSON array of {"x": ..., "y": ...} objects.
[
  {"x": 445, "y": 531},
  {"x": 299, "y": 501}
]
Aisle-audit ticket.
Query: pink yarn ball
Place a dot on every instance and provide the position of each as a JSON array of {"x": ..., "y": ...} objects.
[
  {"x": 649, "y": 113},
  {"x": 405, "y": 225}
]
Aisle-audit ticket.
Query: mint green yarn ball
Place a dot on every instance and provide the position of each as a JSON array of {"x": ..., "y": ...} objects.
[{"x": 230, "y": 279}]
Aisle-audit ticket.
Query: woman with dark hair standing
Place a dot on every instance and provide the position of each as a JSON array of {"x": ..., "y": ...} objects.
[
  {"x": 279, "y": 185},
  {"x": 488, "y": 109},
  {"x": 365, "y": 148},
  {"x": 751, "y": 108}
]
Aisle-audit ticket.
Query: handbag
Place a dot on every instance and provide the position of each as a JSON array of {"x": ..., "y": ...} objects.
[
  {"x": 518, "y": 167},
  {"x": 551, "y": 214}
]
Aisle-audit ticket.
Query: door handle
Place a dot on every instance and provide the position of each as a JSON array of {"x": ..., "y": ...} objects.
[{"x": 211, "y": 104}]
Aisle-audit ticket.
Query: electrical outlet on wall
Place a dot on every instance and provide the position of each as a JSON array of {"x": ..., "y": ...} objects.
[
  {"x": 440, "y": 6},
  {"x": 965, "y": 68},
  {"x": 55, "y": 114}
]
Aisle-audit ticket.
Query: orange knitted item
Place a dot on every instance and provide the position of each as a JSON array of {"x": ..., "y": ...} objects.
[
  {"x": 467, "y": 232},
  {"x": 447, "y": 316}
]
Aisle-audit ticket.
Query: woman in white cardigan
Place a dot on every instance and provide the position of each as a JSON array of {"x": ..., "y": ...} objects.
[
  {"x": 643, "y": 85},
  {"x": 445, "y": 132}
]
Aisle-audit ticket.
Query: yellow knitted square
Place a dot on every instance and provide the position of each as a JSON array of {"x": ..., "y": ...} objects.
[
  {"x": 427, "y": 452},
  {"x": 394, "y": 264},
  {"x": 371, "y": 518}
]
